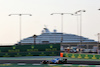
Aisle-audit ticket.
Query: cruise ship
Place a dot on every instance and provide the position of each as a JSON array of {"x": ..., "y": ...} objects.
[{"x": 54, "y": 37}]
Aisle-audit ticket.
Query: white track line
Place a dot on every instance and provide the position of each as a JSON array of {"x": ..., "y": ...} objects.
[
  {"x": 36, "y": 64},
  {"x": 21, "y": 64}
]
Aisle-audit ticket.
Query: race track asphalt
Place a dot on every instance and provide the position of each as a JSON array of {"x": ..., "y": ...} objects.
[{"x": 38, "y": 62}]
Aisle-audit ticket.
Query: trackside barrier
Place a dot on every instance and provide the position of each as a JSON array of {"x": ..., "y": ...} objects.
[
  {"x": 81, "y": 56},
  {"x": 30, "y": 50},
  {"x": 17, "y": 54}
]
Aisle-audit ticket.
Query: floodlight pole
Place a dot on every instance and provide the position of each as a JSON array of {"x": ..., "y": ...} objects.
[
  {"x": 98, "y": 42},
  {"x": 98, "y": 39},
  {"x": 61, "y": 23},
  {"x": 80, "y": 11},
  {"x": 77, "y": 20},
  {"x": 20, "y": 29}
]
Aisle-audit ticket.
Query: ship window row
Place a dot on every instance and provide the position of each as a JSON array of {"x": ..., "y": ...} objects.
[
  {"x": 52, "y": 38},
  {"x": 56, "y": 39},
  {"x": 67, "y": 39},
  {"x": 60, "y": 35}
]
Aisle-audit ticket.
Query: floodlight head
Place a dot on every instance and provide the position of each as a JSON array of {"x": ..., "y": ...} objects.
[
  {"x": 52, "y": 14},
  {"x": 9, "y": 15},
  {"x": 84, "y": 10},
  {"x": 62, "y": 14},
  {"x": 30, "y": 15},
  {"x": 79, "y": 11}
]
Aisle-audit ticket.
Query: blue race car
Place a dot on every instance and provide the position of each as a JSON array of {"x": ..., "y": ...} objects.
[{"x": 55, "y": 61}]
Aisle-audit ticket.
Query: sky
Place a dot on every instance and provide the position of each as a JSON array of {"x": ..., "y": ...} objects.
[{"x": 41, "y": 10}]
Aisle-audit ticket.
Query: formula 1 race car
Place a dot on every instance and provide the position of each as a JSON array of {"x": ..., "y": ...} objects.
[{"x": 55, "y": 61}]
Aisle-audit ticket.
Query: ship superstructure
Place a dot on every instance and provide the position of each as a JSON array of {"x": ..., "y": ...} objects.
[{"x": 55, "y": 37}]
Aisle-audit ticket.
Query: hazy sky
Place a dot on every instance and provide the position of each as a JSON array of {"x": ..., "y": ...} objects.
[{"x": 41, "y": 10}]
